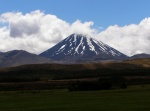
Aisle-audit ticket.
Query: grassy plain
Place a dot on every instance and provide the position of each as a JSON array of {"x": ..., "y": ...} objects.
[
  {"x": 135, "y": 98},
  {"x": 36, "y": 78}
]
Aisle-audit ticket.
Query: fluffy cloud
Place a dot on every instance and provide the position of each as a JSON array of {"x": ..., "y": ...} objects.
[
  {"x": 131, "y": 39},
  {"x": 36, "y": 32}
]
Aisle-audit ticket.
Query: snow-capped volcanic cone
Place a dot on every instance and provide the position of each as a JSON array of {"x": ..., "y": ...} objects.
[{"x": 80, "y": 47}]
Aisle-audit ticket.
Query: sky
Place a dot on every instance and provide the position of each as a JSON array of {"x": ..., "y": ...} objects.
[{"x": 36, "y": 25}]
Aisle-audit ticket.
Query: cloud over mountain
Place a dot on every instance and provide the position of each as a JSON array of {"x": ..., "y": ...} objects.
[
  {"x": 37, "y": 31},
  {"x": 130, "y": 39}
]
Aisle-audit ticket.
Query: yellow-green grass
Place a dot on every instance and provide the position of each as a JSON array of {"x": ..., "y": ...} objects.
[
  {"x": 135, "y": 98},
  {"x": 143, "y": 62}
]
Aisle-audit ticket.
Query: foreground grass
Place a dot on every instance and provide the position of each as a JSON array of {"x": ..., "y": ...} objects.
[{"x": 132, "y": 99}]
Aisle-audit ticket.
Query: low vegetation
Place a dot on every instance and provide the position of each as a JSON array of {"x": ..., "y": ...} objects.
[
  {"x": 75, "y": 87},
  {"x": 74, "y": 76},
  {"x": 143, "y": 62},
  {"x": 135, "y": 98}
]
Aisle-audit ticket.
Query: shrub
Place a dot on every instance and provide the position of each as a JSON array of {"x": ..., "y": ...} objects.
[
  {"x": 123, "y": 85},
  {"x": 102, "y": 84}
]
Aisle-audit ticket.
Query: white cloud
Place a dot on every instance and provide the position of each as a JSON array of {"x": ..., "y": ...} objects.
[
  {"x": 131, "y": 39},
  {"x": 36, "y": 32}
]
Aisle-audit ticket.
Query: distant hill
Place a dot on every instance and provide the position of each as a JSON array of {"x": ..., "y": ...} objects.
[
  {"x": 78, "y": 47},
  {"x": 138, "y": 56},
  {"x": 20, "y": 57}
]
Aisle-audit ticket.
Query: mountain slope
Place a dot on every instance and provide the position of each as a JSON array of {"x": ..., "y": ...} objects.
[
  {"x": 79, "y": 47},
  {"x": 20, "y": 57},
  {"x": 137, "y": 56}
]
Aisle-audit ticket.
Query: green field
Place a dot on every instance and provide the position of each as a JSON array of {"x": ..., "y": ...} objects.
[{"x": 135, "y": 98}]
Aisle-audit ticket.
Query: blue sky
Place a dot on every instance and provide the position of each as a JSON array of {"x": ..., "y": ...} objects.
[{"x": 102, "y": 12}]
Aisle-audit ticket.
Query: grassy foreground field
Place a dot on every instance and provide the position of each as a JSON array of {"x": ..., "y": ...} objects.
[{"x": 135, "y": 98}]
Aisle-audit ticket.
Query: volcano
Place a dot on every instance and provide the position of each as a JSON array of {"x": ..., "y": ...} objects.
[{"x": 78, "y": 47}]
